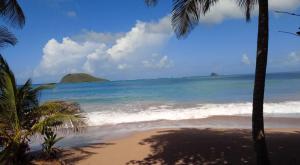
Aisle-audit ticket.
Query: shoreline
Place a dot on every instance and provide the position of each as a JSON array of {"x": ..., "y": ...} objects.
[
  {"x": 99, "y": 134},
  {"x": 144, "y": 112},
  {"x": 135, "y": 146},
  {"x": 187, "y": 145}
]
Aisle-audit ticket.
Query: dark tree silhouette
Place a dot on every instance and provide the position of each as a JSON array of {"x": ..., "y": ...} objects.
[
  {"x": 292, "y": 14},
  {"x": 186, "y": 15},
  {"x": 6, "y": 37},
  {"x": 286, "y": 12},
  {"x": 12, "y": 13}
]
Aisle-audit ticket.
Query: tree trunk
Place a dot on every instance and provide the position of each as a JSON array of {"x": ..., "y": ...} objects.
[{"x": 258, "y": 132}]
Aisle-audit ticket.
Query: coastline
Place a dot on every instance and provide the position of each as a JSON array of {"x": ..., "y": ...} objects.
[{"x": 100, "y": 134}]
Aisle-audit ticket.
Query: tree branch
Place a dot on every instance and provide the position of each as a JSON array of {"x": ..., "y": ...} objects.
[
  {"x": 289, "y": 33},
  {"x": 289, "y": 13}
]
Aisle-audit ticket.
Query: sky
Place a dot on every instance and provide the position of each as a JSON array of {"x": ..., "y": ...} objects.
[{"x": 120, "y": 40}]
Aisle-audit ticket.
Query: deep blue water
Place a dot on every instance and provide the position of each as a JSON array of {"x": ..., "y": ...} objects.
[{"x": 221, "y": 89}]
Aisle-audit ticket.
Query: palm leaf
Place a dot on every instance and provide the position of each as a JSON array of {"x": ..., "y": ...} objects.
[
  {"x": 27, "y": 102},
  {"x": 8, "y": 97},
  {"x": 248, "y": 6},
  {"x": 186, "y": 14},
  {"x": 12, "y": 13},
  {"x": 52, "y": 120},
  {"x": 6, "y": 37},
  {"x": 44, "y": 87},
  {"x": 57, "y": 113},
  {"x": 57, "y": 139}
]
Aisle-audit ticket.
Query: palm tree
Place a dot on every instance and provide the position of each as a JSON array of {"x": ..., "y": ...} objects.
[
  {"x": 21, "y": 116},
  {"x": 186, "y": 15},
  {"x": 12, "y": 13}
]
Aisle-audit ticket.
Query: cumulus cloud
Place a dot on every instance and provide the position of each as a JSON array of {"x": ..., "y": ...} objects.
[
  {"x": 107, "y": 53},
  {"x": 92, "y": 36},
  {"x": 142, "y": 36},
  {"x": 157, "y": 61},
  {"x": 227, "y": 9},
  {"x": 245, "y": 59},
  {"x": 293, "y": 59}
]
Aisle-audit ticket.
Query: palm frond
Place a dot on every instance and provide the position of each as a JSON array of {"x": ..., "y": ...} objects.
[
  {"x": 6, "y": 37},
  {"x": 12, "y": 13},
  {"x": 58, "y": 113},
  {"x": 52, "y": 120},
  {"x": 8, "y": 95},
  {"x": 248, "y": 6},
  {"x": 27, "y": 96},
  {"x": 27, "y": 102},
  {"x": 44, "y": 87},
  {"x": 186, "y": 14},
  {"x": 52, "y": 107}
]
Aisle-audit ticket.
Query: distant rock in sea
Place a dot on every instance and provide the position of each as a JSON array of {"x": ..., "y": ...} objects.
[
  {"x": 80, "y": 77},
  {"x": 213, "y": 74}
]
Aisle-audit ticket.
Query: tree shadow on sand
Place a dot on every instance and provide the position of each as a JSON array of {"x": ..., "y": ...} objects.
[
  {"x": 76, "y": 154},
  {"x": 194, "y": 146}
]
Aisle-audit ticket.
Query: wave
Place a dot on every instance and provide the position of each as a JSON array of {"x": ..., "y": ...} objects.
[{"x": 198, "y": 111}]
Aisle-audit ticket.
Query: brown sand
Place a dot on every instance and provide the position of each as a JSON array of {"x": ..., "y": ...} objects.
[{"x": 188, "y": 146}]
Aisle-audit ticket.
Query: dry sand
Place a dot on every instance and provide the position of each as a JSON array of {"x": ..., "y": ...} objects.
[{"x": 188, "y": 146}]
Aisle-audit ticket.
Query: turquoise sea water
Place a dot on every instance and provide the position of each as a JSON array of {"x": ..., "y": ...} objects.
[{"x": 178, "y": 98}]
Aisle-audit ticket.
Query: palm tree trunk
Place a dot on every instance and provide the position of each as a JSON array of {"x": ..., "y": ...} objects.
[{"x": 259, "y": 85}]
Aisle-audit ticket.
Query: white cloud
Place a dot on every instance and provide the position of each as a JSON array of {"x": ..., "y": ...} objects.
[
  {"x": 71, "y": 14},
  {"x": 107, "y": 54},
  {"x": 67, "y": 56},
  {"x": 157, "y": 61},
  {"x": 293, "y": 59},
  {"x": 142, "y": 36},
  {"x": 123, "y": 66},
  {"x": 225, "y": 9},
  {"x": 284, "y": 5},
  {"x": 92, "y": 36},
  {"x": 245, "y": 59}
]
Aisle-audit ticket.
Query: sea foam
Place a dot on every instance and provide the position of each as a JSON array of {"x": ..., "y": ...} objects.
[{"x": 101, "y": 116}]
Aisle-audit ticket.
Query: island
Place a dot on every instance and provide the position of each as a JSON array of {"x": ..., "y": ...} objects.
[
  {"x": 81, "y": 77},
  {"x": 213, "y": 74}
]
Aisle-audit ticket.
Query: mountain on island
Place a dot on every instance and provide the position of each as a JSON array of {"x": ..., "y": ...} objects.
[
  {"x": 80, "y": 77},
  {"x": 213, "y": 74}
]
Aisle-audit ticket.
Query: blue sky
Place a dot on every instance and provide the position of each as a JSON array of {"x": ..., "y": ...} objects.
[{"x": 119, "y": 39}]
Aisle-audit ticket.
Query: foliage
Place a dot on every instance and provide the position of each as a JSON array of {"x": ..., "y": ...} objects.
[
  {"x": 49, "y": 141},
  {"x": 12, "y": 13},
  {"x": 186, "y": 14},
  {"x": 21, "y": 116}
]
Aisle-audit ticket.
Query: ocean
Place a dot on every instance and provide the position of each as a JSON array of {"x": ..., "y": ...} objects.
[{"x": 172, "y": 99}]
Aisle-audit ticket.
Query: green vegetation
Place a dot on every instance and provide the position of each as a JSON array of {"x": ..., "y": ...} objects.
[
  {"x": 80, "y": 77},
  {"x": 12, "y": 13},
  {"x": 21, "y": 116},
  {"x": 50, "y": 139}
]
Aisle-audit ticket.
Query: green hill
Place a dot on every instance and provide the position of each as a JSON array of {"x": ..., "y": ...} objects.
[{"x": 80, "y": 77}]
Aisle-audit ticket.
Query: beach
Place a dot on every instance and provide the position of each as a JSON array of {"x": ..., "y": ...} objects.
[
  {"x": 190, "y": 145},
  {"x": 187, "y": 146},
  {"x": 108, "y": 83}
]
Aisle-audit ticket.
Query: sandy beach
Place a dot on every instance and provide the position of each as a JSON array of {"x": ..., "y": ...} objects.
[{"x": 187, "y": 146}]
